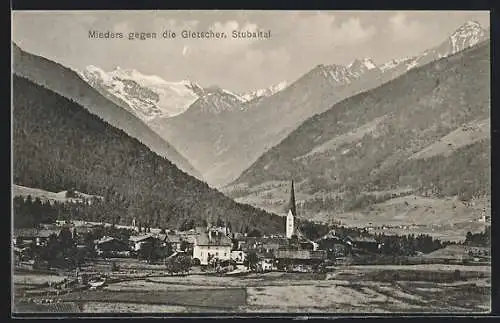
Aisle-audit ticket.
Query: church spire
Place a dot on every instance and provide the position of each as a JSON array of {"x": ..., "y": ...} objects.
[
  {"x": 292, "y": 212},
  {"x": 291, "y": 205}
]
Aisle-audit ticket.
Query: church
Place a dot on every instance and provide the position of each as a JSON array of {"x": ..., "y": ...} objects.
[
  {"x": 300, "y": 252},
  {"x": 292, "y": 228}
]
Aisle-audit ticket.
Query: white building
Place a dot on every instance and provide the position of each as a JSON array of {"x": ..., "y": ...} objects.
[
  {"x": 289, "y": 224},
  {"x": 266, "y": 264},
  {"x": 213, "y": 244}
]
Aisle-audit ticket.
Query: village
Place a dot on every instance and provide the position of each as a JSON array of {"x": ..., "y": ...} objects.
[
  {"x": 214, "y": 247},
  {"x": 59, "y": 262}
]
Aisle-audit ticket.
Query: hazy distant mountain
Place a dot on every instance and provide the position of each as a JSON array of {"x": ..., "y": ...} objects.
[
  {"x": 69, "y": 84},
  {"x": 59, "y": 144},
  {"x": 426, "y": 132},
  {"x": 260, "y": 93},
  {"x": 222, "y": 145},
  {"x": 216, "y": 100}
]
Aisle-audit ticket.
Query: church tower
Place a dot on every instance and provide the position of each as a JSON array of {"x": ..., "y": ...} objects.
[{"x": 292, "y": 213}]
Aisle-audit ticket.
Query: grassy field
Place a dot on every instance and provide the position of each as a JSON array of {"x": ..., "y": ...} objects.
[
  {"x": 349, "y": 289},
  {"x": 36, "y": 279},
  {"x": 445, "y": 218},
  {"x": 43, "y": 195}
]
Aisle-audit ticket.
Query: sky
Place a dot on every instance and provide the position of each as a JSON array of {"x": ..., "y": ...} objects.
[{"x": 299, "y": 41}]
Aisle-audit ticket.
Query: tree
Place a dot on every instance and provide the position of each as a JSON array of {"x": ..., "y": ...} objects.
[
  {"x": 468, "y": 237},
  {"x": 184, "y": 245},
  {"x": 149, "y": 251},
  {"x": 219, "y": 222},
  {"x": 184, "y": 263},
  {"x": 171, "y": 266},
  {"x": 252, "y": 260},
  {"x": 254, "y": 233},
  {"x": 66, "y": 238}
]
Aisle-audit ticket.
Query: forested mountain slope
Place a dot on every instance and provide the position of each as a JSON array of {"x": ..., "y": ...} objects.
[
  {"x": 57, "y": 144},
  {"x": 427, "y": 131}
]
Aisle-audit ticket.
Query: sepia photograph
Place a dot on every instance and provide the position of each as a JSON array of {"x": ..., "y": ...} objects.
[{"x": 251, "y": 161}]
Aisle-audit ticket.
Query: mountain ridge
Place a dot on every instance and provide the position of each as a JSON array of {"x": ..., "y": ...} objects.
[
  {"x": 426, "y": 131},
  {"x": 222, "y": 146},
  {"x": 68, "y": 83}
]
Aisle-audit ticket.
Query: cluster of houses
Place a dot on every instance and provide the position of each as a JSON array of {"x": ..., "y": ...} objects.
[{"x": 291, "y": 250}]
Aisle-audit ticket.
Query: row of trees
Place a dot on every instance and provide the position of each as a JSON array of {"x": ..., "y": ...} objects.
[
  {"x": 30, "y": 212},
  {"x": 408, "y": 245},
  {"x": 480, "y": 239}
]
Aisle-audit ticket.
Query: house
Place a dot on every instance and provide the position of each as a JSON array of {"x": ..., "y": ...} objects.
[
  {"x": 112, "y": 246},
  {"x": 136, "y": 242},
  {"x": 265, "y": 245},
  {"x": 298, "y": 260},
  {"x": 266, "y": 264},
  {"x": 49, "y": 226},
  {"x": 38, "y": 237},
  {"x": 333, "y": 245},
  {"x": 24, "y": 236},
  {"x": 81, "y": 233},
  {"x": 175, "y": 241},
  {"x": 213, "y": 244},
  {"x": 162, "y": 238},
  {"x": 239, "y": 256},
  {"x": 44, "y": 235},
  {"x": 485, "y": 218}
]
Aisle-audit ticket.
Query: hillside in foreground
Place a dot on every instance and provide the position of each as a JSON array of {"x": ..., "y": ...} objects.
[
  {"x": 58, "y": 144},
  {"x": 425, "y": 133}
]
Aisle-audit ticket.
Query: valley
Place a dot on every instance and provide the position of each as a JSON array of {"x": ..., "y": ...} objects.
[
  {"x": 393, "y": 141},
  {"x": 175, "y": 179}
]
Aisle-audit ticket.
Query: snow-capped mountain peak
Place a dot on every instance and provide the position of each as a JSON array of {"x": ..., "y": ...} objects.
[
  {"x": 273, "y": 89},
  {"x": 467, "y": 35},
  {"x": 147, "y": 96},
  {"x": 365, "y": 62},
  {"x": 338, "y": 74},
  {"x": 361, "y": 65}
]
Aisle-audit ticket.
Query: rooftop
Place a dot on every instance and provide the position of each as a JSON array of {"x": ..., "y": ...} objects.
[
  {"x": 219, "y": 239},
  {"x": 362, "y": 239},
  {"x": 141, "y": 237}
]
